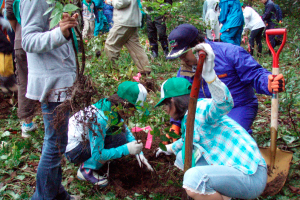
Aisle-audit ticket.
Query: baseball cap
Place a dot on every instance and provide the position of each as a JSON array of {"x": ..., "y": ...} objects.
[
  {"x": 180, "y": 38},
  {"x": 174, "y": 87},
  {"x": 134, "y": 93}
]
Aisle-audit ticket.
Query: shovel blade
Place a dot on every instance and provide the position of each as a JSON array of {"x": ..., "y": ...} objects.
[{"x": 277, "y": 176}]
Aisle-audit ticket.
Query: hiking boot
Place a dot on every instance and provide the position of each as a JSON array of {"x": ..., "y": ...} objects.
[
  {"x": 154, "y": 54},
  {"x": 28, "y": 127},
  {"x": 91, "y": 176}
]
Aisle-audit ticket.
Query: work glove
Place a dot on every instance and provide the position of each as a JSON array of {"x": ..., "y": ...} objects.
[
  {"x": 143, "y": 160},
  {"x": 208, "y": 72},
  {"x": 134, "y": 147},
  {"x": 277, "y": 84},
  {"x": 5, "y": 24},
  {"x": 175, "y": 129},
  {"x": 168, "y": 152}
]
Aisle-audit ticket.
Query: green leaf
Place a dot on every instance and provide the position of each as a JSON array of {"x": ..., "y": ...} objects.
[
  {"x": 20, "y": 177},
  {"x": 162, "y": 146},
  {"x": 155, "y": 132},
  {"x": 289, "y": 139},
  {"x": 3, "y": 157},
  {"x": 114, "y": 121},
  {"x": 56, "y": 12},
  {"x": 174, "y": 135},
  {"x": 59, "y": 6},
  {"x": 55, "y": 21},
  {"x": 164, "y": 138},
  {"x": 70, "y": 8},
  {"x": 50, "y": 1},
  {"x": 48, "y": 10}
]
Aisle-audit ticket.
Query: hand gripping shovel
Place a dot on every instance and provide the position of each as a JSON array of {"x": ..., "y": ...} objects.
[
  {"x": 278, "y": 161},
  {"x": 191, "y": 112}
]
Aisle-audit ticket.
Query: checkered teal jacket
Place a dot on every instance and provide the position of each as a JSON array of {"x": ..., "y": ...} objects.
[{"x": 217, "y": 137}]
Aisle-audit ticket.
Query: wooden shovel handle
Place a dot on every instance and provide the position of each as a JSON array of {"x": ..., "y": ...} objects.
[
  {"x": 191, "y": 112},
  {"x": 275, "y": 102}
]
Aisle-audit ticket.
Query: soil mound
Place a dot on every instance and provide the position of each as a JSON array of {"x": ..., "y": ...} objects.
[{"x": 126, "y": 178}]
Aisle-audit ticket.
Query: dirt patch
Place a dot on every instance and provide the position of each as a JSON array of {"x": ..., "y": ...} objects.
[
  {"x": 126, "y": 177},
  {"x": 5, "y": 106},
  {"x": 150, "y": 84},
  {"x": 274, "y": 186}
]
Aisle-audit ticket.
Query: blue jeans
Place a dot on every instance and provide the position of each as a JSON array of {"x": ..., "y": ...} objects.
[
  {"x": 229, "y": 181},
  {"x": 82, "y": 153},
  {"x": 49, "y": 173}
]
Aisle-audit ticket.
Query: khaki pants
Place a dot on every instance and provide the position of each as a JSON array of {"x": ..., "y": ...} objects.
[
  {"x": 88, "y": 28},
  {"x": 128, "y": 36}
]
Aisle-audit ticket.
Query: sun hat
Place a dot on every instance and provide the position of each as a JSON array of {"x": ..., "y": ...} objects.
[
  {"x": 180, "y": 38},
  {"x": 134, "y": 93},
  {"x": 174, "y": 87}
]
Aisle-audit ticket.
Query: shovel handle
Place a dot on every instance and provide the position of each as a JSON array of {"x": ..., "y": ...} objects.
[
  {"x": 191, "y": 112},
  {"x": 277, "y": 31},
  {"x": 198, "y": 77},
  {"x": 275, "y": 103}
]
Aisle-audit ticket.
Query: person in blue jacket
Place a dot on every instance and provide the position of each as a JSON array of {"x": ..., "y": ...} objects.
[
  {"x": 234, "y": 67},
  {"x": 108, "y": 12},
  {"x": 94, "y": 136},
  {"x": 101, "y": 25},
  {"x": 232, "y": 20}
]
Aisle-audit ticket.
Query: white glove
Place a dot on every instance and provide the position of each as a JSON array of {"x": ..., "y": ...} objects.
[
  {"x": 134, "y": 147},
  {"x": 168, "y": 152},
  {"x": 141, "y": 159},
  {"x": 208, "y": 72},
  {"x": 5, "y": 24}
]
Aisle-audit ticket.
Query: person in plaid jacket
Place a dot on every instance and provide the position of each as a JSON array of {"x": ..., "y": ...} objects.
[{"x": 226, "y": 159}]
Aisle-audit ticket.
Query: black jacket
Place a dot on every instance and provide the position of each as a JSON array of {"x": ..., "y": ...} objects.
[{"x": 270, "y": 12}]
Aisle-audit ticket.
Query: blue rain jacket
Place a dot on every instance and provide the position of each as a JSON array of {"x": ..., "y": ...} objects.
[
  {"x": 238, "y": 70},
  {"x": 231, "y": 14},
  {"x": 101, "y": 24},
  {"x": 108, "y": 12}
]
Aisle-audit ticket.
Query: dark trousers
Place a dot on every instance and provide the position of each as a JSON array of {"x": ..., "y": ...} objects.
[
  {"x": 26, "y": 106},
  {"x": 155, "y": 27},
  {"x": 256, "y": 35},
  {"x": 271, "y": 37}
]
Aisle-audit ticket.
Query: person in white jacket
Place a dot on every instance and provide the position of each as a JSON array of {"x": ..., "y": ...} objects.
[
  {"x": 98, "y": 133},
  {"x": 255, "y": 24},
  {"x": 211, "y": 12},
  {"x": 127, "y": 19}
]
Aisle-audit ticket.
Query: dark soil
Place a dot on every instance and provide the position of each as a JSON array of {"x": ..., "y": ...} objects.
[
  {"x": 4, "y": 106},
  {"x": 126, "y": 177},
  {"x": 150, "y": 84},
  {"x": 274, "y": 186}
]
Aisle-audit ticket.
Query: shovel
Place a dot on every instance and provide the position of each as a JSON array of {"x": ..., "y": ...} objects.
[
  {"x": 191, "y": 112},
  {"x": 278, "y": 161}
]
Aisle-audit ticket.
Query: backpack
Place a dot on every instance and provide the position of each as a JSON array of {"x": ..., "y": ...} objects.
[{"x": 278, "y": 13}]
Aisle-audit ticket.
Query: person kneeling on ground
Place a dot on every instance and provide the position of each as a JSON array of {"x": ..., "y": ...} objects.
[
  {"x": 226, "y": 159},
  {"x": 98, "y": 125}
]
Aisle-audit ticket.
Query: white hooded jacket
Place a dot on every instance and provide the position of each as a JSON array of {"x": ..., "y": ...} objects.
[{"x": 252, "y": 19}]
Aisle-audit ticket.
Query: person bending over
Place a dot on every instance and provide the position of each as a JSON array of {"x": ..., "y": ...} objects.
[{"x": 94, "y": 137}]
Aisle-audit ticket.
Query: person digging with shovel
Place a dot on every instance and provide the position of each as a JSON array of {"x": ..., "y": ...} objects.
[
  {"x": 234, "y": 66},
  {"x": 226, "y": 161},
  {"x": 98, "y": 133}
]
